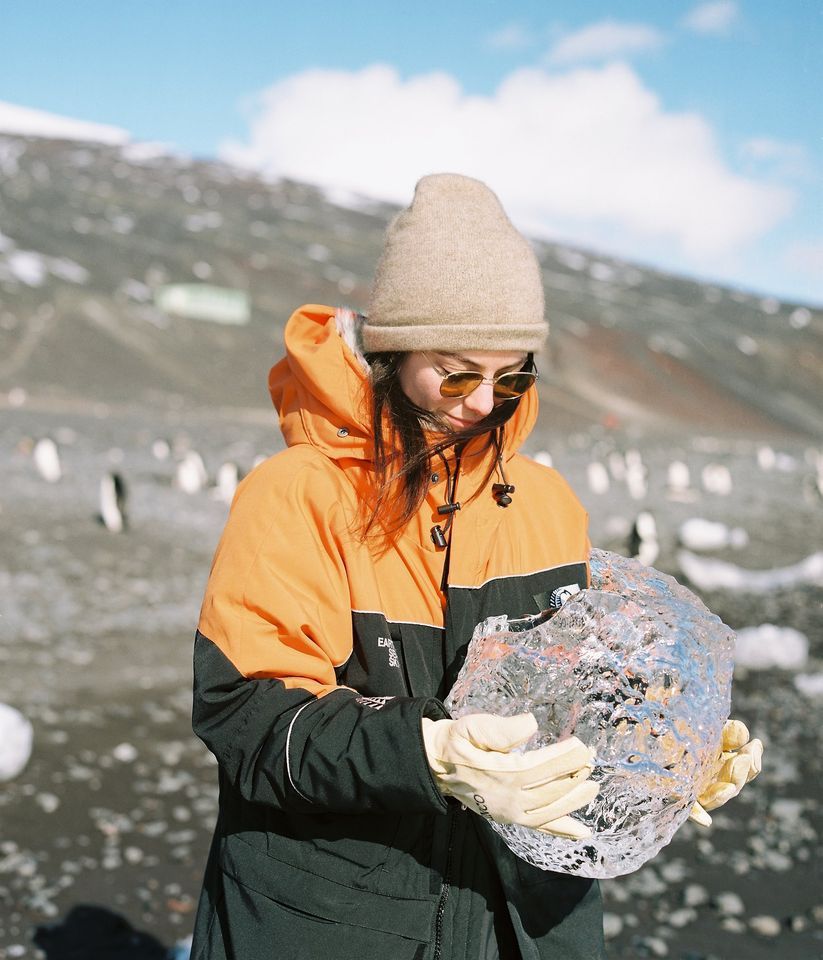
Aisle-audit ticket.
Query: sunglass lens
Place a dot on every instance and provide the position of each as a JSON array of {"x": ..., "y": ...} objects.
[
  {"x": 460, "y": 384},
  {"x": 512, "y": 385}
]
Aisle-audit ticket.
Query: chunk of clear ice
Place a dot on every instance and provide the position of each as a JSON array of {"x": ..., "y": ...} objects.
[{"x": 640, "y": 670}]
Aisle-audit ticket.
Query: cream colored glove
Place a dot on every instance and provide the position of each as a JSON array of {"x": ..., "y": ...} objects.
[
  {"x": 739, "y": 762},
  {"x": 471, "y": 761}
]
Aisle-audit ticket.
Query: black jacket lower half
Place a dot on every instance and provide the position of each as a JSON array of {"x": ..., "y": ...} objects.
[{"x": 333, "y": 841}]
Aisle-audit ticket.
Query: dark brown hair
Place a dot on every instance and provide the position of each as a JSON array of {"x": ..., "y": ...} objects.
[{"x": 403, "y": 455}]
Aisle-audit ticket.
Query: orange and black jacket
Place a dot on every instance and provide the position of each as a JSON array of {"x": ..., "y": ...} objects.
[{"x": 316, "y": 656}]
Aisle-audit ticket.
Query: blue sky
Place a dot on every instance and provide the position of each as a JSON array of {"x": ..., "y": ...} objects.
[{"x": 687, "y": 135}]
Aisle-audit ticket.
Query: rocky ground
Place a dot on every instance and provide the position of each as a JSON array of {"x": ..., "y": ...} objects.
[{"x": 116, "y": 806}]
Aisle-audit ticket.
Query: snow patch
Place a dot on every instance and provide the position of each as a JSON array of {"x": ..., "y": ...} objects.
[
  {"x": 747, "y": 345},
  {"x": 145, "y": 152},
  {"x": 16, "y": 737},
  {"x": 810, "y": 684},
  {"x": 210, "y": 220},
  {"x": 800, "y": 318},
  {"x": 136, "y": 290},
  {"x": 65, "y": 269},
  {"x": 601, "y": 271},
  {"x": 10, "y": 153},
  {"x": 38, "y": 123},
  {"x": 710, "y": 574},
  {"x": 768, "y": 646},
  {"x": 349, "y": 199},
  {"x": 699, "y": 534},
  {"x": 770, "y": 305},
  {"x": 28, "y": 267},
  {"x": 571, "y": 258}
]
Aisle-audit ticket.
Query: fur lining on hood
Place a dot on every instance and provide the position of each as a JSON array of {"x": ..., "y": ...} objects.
[{"x": 350, "y": 326}]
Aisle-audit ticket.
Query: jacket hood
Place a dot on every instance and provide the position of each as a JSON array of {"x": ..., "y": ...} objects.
[{"x": 321, "y": 388}]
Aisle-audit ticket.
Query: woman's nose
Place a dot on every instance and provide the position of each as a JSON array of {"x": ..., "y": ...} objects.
[{"x": 481, "y": 400}]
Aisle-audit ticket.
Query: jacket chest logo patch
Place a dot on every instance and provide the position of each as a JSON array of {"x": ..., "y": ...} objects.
[
  {"x": 561, "y": 594},
  {"x": 389, "y": 644},
  {"x": 375, "y": 703}
]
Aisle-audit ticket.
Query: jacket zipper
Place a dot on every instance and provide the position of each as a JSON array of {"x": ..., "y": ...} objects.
[{"x": 445, "y": 889}]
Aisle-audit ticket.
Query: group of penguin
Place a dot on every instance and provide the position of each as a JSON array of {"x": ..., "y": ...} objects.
[{"x": 190, "y": 476}]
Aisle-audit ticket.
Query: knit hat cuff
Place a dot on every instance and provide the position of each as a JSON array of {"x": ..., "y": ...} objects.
[{"x": 453, "y": 338}]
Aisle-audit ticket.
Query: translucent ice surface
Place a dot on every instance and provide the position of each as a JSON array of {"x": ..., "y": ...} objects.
[{"x": 639, "y": 669}]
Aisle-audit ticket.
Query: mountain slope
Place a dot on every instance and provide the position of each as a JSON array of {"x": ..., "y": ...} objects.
[{"x": 89, "y": 231}]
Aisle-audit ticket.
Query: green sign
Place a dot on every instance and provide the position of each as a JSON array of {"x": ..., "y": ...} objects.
[{"x": 201, "y": 301}]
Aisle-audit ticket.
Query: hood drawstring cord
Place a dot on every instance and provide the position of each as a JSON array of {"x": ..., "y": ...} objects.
[
  {"x": 451, "y": 506},
  {"x": 448, "y": 509},
  {"x": 501, "y": 491}
]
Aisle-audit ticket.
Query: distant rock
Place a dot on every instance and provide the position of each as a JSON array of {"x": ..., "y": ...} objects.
[
  {"x": 729, "y": 904},
  {"x": 765, "y": 925}
]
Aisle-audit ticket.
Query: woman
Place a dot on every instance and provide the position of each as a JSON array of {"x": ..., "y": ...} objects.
[{"x": 351, "y": 574}]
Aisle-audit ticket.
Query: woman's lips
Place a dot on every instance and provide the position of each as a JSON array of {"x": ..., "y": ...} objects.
[{"x": 460, "y": 422}]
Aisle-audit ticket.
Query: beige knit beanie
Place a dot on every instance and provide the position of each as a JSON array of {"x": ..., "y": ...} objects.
[{"x": 455, "y": 275}]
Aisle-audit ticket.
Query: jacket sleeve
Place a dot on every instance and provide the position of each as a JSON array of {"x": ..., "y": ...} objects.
[{"x": 275, "y": 622}]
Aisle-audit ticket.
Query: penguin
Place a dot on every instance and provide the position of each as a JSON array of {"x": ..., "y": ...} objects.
[
  {"x": 598, "y": 478},
  {"x": 161, "y": 449},
  {"x": 643, "y": 542},
  {"x": 636, "y": 473},
  {"x": 47, "y": 460},
  {"x": 191, "y": 473},
  {"x": 228, "y": 476},
  {"x": 678, "y": 480},
  {"x": 716, "y": 479},
  {"x": 617, "y": 465},
  {"x": 113, "y": 502}
]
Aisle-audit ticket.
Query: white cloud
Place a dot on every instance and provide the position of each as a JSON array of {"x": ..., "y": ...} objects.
[
  {"x": 713, "y": 17},
  {"x": 511, "y": 37},
  {"x": 766, "y": 148},
  {"x": 605, "y": 40},
  {"x": 589, "y": 154},
  {"x": 781, "y": 157},
  {"x": 38, "y": 123}
]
